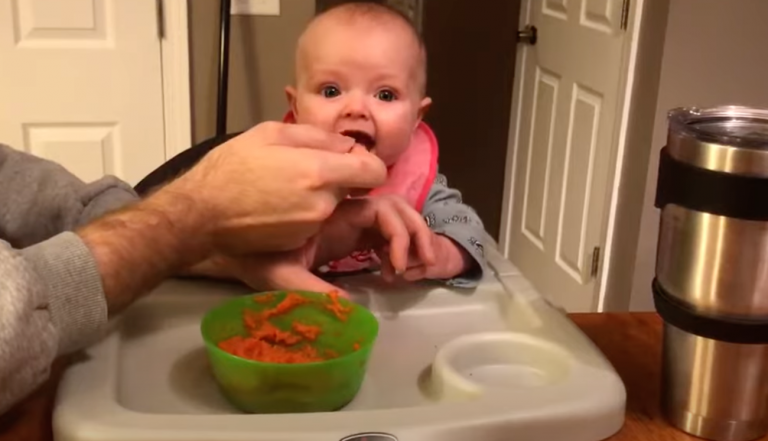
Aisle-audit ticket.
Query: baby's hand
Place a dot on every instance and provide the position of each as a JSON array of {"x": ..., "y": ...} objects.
[
  {"x": 452, "y": 260},
  {"x": 386, "y": 224},
  {"x": 406, "y": 238},
  {"x": 411, "y": 250}
]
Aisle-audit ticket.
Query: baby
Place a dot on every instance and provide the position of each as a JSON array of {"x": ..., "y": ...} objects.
[{"x": 361, "y": 71}]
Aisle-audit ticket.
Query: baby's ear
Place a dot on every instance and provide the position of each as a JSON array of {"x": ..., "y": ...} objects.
[
  {"x": 423, "y": 107},
  {"x": 290, "y": 95}
]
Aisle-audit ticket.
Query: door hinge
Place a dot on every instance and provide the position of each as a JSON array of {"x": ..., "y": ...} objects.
[
  {"x": 624, "y": 14},
  {"x": 595, "y": 262},
  {"x": 160, "y": 19}
]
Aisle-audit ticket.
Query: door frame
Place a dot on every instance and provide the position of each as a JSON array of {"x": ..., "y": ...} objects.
[
  {"x": 641, "y": 58},
  {"x": 635, "y": 145},
  {"x": 177, "y": 94}
]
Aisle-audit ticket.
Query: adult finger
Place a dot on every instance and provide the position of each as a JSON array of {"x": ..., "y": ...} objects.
[
  {"x": 357, "y": 170},
  {"x": 358, "y": 149},
  {"x": 297, "y": 277},
  {"x": 301, "y": 135},
  {"x": 241, "y": 240}
]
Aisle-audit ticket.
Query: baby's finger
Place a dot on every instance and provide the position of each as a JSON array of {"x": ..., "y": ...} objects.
[
  {"x": 387, "y": 271},
  {"x": 415, "y": 273},
  {"x": 396, "y": 233},
  {"x": 418, "y": 228}
]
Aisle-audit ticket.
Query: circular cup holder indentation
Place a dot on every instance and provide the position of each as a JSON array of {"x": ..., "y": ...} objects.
[{"x": 497, "y": 362}]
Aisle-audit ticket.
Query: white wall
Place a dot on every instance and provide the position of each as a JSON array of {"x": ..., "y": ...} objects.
[{"x": 715, "y": 52}]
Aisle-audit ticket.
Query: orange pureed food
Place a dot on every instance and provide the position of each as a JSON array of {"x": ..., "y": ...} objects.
[{"x": 267, "y": 343}]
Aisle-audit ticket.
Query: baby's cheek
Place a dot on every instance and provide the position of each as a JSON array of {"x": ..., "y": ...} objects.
[
  {"x": 389, "y": 154},
  {"x": 313, "y": 114},
  {"x": 313, "y": 120}
]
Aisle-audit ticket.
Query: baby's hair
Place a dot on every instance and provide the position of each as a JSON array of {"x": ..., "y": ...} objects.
[
  {"x": 375, "y": 11},
  {"x": 372, "y": 9}
]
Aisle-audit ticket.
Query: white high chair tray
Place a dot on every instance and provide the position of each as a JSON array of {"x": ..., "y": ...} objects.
[{"x": 510, "y": 367}]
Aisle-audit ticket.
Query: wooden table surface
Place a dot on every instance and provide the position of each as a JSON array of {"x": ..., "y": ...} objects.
[{"x": 631, "y": 341}]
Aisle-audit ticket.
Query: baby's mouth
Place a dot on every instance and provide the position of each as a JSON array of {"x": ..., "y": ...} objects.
[{"x": 361, "y": 138}]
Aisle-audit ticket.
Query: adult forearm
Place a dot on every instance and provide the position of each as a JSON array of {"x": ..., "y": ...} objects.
[
  {"x": 57, "y": 294},
  {"x": 136, "y": 248}
]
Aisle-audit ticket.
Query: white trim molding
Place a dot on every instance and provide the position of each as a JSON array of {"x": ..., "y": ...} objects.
[
  {"x": 629, "y": 66},
  {"x": 177, "y": 95}
]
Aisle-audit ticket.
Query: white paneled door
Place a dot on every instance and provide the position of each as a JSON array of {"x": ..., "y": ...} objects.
[
  {"x": 81, "y": 84},
  {"x": 561, "y": 143}
]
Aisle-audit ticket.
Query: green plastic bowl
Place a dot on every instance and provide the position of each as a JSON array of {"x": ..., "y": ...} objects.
[{"x": 261, "y": 387}]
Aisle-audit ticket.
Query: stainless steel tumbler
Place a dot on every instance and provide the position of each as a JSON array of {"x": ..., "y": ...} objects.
[{"x": 711, "y": 284}]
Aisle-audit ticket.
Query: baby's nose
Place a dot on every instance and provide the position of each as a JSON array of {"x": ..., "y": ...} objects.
[{"x": 356, "y": 108}]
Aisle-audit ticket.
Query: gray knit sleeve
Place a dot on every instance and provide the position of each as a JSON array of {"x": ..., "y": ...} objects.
[
  {"x": 446, "y": 214},
  {"x": 51, "y": 303},
  {"x": 41, "y": 198}
]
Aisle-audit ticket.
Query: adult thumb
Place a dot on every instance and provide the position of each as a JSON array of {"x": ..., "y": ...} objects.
[{"x": 297, "y": 277}]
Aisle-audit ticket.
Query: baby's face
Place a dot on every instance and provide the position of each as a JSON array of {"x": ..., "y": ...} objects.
[{"x": 362, "y": 81}]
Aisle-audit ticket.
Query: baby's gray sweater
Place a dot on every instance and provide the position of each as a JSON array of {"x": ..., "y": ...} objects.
[{"x": 51, "y": 299}]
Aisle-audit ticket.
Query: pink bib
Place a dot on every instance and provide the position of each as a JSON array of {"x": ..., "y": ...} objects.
[{"x": 410, "y": 177}]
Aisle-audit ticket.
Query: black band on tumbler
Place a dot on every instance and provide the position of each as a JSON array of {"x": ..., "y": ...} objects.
[
  {"x": 707, "y": 191},
  {"x": 729, "y": 330}
]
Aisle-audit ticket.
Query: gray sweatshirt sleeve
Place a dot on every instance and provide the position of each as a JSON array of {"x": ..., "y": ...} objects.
[
  {"x": 445, "y": 214},
  {"x": 52, "y": 304},
  {"x": 51, "y": 297},
  {"x": 41, "y": 198}
]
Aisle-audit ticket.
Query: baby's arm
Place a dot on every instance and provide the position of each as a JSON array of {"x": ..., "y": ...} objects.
[{"x": 446, "y": 215}]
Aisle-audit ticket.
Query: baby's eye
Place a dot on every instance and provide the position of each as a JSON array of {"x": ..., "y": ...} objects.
[
  {"x": 330, "y": 91},
  {"x": 386, "y": 95}
]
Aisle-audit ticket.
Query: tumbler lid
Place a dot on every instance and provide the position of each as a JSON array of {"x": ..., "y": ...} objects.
[{"x": 732, "y": 139}]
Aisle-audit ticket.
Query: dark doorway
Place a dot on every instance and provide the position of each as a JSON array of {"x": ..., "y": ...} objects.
[{"x": 471, "y": 63}]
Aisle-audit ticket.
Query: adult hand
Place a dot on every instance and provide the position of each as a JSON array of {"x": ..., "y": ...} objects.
[
  {"x": 266, "y": 190},
  {"x": 285, "y": 270},
  {"x": 270, "y": 188}
]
